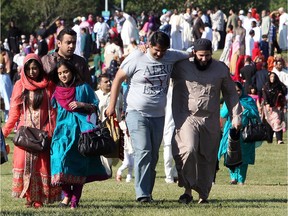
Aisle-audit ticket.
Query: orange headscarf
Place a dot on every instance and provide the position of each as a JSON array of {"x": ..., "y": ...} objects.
[
  {"x": 270, "y": 62},
  {"x": 28, "y": 83}
]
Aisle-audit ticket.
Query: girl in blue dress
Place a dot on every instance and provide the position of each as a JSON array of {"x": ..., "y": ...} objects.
[
  {"x": 75, "y": 101},
  {"x": 250, "y": 111}
]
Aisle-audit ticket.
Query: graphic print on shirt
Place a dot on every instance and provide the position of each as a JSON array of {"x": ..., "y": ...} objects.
[{"x": 156, "y": 80}]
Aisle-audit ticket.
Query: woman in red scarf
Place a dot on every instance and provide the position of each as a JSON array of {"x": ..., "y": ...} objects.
[{"x": 31, "y": 171}]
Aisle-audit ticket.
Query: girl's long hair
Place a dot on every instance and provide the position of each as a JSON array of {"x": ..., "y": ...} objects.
[{"x": 39, "y": 93}]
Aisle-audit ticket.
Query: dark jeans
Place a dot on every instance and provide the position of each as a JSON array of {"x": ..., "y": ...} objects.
[{"x": 272, "y": 45}]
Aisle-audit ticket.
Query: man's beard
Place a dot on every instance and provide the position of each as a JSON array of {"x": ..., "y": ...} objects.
[{"x": 202, "y": 67}]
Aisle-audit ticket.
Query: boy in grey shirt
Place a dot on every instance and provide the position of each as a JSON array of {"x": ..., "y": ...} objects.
[{"x": 148, "y": 77}]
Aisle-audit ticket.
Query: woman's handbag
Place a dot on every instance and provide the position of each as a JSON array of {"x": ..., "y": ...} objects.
[
  {"x": 32, "y": 139},
  {"x": 3, "y": 152},
  {"x": 2, "y": 104},
  {"x": 96, "y": 142},
  {"x": 254, "y": 131},
  {"x": 233, "y": 158}
]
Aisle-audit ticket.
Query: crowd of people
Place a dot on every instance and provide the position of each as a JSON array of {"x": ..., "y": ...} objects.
[{"x": 156, "y": 76}]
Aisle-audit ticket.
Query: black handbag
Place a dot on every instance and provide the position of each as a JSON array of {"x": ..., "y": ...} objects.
[
  {"x": 254, "y": 131},
  {"x": 233, "y": 157},
  {"x": 3, "y": 152},
  {"x": 31, "y": 139},
  {"x": 96, "y": 142}
]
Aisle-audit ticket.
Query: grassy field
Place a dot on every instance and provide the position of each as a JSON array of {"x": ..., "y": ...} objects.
[{"x": 265, "y": 192}]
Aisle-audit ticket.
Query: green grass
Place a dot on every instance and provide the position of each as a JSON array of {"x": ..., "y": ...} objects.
[{"x": 265, "y": 192}]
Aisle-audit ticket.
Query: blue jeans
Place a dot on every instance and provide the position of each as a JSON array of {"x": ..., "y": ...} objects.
[{"x": 146, "y": 134}]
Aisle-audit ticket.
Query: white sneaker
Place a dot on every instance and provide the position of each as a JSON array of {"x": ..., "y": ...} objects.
[
  {"x": 169, "y": 181},
  {"x": 128, "y": 178}
]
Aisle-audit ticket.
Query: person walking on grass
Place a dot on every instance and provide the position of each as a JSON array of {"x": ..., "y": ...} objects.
[
  {"x": 148, "y": 76},
  {"x": 274, "y": 92},
  {"x": 196, "y": 107},
  {"x": 250, "y": 111},
  {"x": 75, "y": 101},
  {"x": 30, "y": 106}
]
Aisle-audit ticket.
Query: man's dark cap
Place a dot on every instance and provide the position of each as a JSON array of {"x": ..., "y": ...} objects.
[{"x": 202, "y": 44}]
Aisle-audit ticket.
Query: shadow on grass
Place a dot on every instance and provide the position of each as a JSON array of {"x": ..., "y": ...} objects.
[
  {"x": 111, "y": 207},
  {"x": 223, "y": 203}
]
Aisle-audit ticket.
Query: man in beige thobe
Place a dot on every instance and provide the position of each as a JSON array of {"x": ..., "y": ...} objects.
[{"x": 196, "y": 110}]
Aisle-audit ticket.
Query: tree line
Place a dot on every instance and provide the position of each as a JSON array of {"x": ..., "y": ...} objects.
[{"x": 28, "y": 14}]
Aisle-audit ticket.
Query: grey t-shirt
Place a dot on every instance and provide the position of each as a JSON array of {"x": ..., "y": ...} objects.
[{"x": 148, "y": 80}]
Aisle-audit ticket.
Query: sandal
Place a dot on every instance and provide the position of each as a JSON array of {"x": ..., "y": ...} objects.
[
  {"x": 28, "y": 204},
  {"x": 185, "y": 199},
  {"x": 74, "y": 205},
  {"x": 203, "y": 201},
  {"x": 62, "y": 204},
  {"x": 37, "y": 205}
]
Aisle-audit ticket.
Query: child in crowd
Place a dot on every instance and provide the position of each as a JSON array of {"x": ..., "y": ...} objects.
[
  {"x": 226, "y": 54},
  {"x": 253, "y": 93},
  {"x": 128, "y": 161},
  {"x": 264, "y": 46},
  {"x": 249, "y": 43},
  {"x": 74, "y": 101}
]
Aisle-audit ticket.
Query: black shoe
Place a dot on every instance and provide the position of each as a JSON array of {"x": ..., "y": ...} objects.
[
  {"x": 62, "y": 205},
  {"x": 185, "y": 199},
  {"x": 144, "y": 200}
]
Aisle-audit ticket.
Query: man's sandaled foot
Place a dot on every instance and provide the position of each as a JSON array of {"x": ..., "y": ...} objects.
[
  {"x": 185, "y": 199},
  {"x": 202, "y": 201}
]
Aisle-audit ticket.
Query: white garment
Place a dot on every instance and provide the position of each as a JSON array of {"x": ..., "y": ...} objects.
[
  {"x": 208, "y": 34},
  {"x": 265, "y": 25},
  {"x": 249, "y": 45},
  {"x": 218, "y": 20},
  {"x": 6, "y": 45},
  {"x": 258, "y": 34},
  {"x": 104, "y": 100},
  {"x": 227, "y": 47},
  {"x": 176, "y": 32},
  {"x": 283, "y": 31},
  {"x": 128, "y": 162},
  {"x": 283, "y": 75},
  {"x": 111, "y": 51},
  {"x": 187, "y": 30},
  {"x": 164, "y": 19},
  {"x": 242, "y": 18},
  {"x": 215, "y": 40},
  {"x": 247, "y": 24},
  {"x": 6, "y": 92},
  {"x": 169, "y": 168},
  {"x": 102, "y": 32},
  {"x": 129, "y": 30},
  {"x": 77, "y": 29},
  {"x": 19, "y": 59}
]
